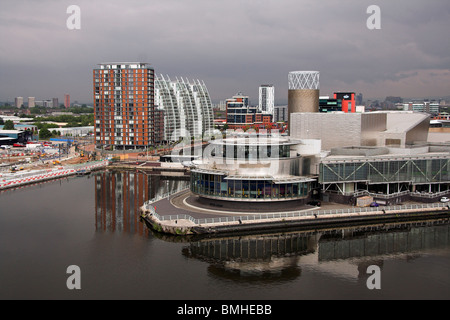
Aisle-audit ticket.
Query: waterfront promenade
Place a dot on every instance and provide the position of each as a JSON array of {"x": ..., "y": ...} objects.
[{"x": 184, "y": 214}]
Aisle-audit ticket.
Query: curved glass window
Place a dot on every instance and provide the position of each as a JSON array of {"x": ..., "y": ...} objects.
[{"x": 217, "y": 186}]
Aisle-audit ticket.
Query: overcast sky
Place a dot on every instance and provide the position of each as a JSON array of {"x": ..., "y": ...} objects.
[{"x": 232, "y": 45}]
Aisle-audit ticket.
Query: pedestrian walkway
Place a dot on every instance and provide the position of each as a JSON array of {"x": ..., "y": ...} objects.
[
  {"x": 185, "y": 203},
  {"x": 183, "y": 213}
]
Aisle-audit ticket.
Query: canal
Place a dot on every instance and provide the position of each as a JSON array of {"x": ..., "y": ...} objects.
[{"x": 93, "y": 222}]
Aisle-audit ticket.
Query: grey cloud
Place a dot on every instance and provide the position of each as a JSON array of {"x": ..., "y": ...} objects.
[{"x": 232, "y": 45}]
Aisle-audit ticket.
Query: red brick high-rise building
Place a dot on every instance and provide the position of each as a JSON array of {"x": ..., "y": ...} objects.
[
  {"x": 67, "y": 101},
  {"x": 124, "y": 105}
]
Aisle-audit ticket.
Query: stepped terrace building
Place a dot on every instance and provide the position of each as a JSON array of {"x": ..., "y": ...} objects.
[
  {"x": 241, "y": 115},
  {"x": 251, "y": 167}
]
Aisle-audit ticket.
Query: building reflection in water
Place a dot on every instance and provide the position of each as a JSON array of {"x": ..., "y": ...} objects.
[
  {"x": 120, "y": 194},
  {"x": 342, "y": 252},
  {"x": 263, "y": 257},
  {"x": 277, "y": 257}
]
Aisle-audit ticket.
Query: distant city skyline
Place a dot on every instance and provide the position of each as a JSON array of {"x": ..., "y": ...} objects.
[
  {"x": 407, "y": 57},
  {"x": 252, "y": 102}
]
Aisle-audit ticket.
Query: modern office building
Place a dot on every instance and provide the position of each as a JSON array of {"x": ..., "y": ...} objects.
[
  {"x": 239, "y": 111},
  {"x": 187, "y": 107},
  {"x": 266, "y": 98},
  {"x": 241, "y": 115},
  {"x": 347, "y": 101},
  {"x": 31, "y": 102},
  {"x": 329, "y": 105},
  {"x": 359, "y": 99},
  {"x": 47, "y": 103},
  {"x": 280, "y": 114},
  {"x": 55, "y": 103},
  {"x": 303, "y": 95},
  {"x": 222, "y": 105},
  {"x": 18, "y": 102},
  {"x": 124, "y": 105},
  {"x": 431, "y": 107}
]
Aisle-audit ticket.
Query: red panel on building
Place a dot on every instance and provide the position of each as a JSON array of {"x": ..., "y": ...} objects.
[{"x": 348, "y": 101}]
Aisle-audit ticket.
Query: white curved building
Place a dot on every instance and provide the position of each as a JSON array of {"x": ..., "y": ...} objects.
[
  {"x": 187, "y": 107},
  {"x": 251, "y": 167}
]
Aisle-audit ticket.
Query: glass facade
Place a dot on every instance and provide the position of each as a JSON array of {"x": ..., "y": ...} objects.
[
  {"x": 252, "y": 152},
  {"x": 239, "y": 111},
  {"x": 257, "y": 189},
  {"x": 406, "y": 170},
  {"x": 330, "y": 105}
]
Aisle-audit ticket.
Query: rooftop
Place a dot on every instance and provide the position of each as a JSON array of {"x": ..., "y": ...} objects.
[
  {"x": 124, "y": 65},
  {"x": 10, "y": 131},
  {"x": 252, "y": 141}
]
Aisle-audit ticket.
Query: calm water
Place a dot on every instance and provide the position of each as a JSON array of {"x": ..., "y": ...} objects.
[{"x": 93, "y": 222}]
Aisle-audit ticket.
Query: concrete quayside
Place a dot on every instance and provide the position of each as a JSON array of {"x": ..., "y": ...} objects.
[{"x": 185, "y": 224}]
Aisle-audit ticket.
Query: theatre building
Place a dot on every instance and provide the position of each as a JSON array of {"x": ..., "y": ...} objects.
[{"x": 258, "y": 168}]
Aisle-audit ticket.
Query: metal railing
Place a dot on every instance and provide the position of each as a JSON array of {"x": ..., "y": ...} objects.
[
  {"x": 430, "y": 195},
  {"x": 165, "y": 195},
  {"x": 359, "y": 193},
  {"x": 294, "y": 214},
  {"x": 80, "y": 166}
]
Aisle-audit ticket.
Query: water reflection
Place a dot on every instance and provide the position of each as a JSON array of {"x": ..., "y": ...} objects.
[
  {"x": 263, "y": 258},
  {"x": 266, "y": 258},
  {"x": 384, "y": 240},
  {"x": 341, "y": 252},
  {"x": 120, "y": 194}
]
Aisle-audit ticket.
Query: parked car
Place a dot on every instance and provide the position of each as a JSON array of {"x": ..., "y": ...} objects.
[
  {"x": 374, "y": 204},
  {"x": 445, "y": 199}
]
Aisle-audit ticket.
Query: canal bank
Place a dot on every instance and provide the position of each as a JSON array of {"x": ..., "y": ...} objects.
[
  {"x": 36, "y": 176},
  {"x": 187, "y": 219},
  {"x": 10, "y": 180}
]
